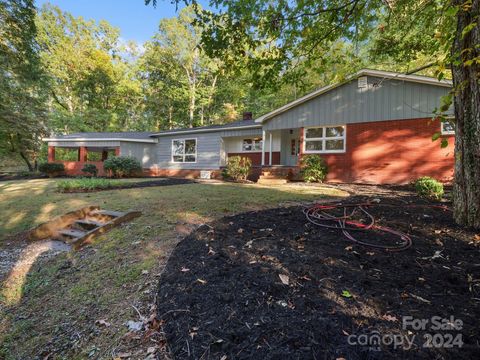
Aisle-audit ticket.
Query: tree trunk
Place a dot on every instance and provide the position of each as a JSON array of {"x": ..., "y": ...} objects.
[
  {"x": 466, "y": 78},
  {"x": 29, "y": 164}
]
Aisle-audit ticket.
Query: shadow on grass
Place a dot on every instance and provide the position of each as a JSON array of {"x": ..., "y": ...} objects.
[{"x": 112, "y": 264}]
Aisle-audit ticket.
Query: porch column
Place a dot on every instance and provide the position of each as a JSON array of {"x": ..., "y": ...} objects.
[
  {"x": 117, "y": 151},
  {"x": 51, "y": 154},
  {"x": 270, "y": 150},
  {"x": 82, "y": 154},
  {"x": 264, "y": 135},
  {"x": 300, "y": 153}
]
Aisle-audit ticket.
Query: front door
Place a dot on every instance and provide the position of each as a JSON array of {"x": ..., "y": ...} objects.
[{"x": 293, "y": 148}]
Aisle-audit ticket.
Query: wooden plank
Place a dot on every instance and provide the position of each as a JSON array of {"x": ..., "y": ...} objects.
[
  {"x": 88, "y": 222},
  {"x": 108, "y": 213},
  {"x": 74, "y": 233},
  {"x": 79, "y": 242}
]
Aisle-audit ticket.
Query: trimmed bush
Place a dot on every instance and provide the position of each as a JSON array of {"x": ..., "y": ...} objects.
[
  {"x": 238, "y": 168},
  {"x": 90, "y": 169},
  {"x": 87, "y": 184},
  {"x": 313, "y": 168},
  {"x": 122, "y": 166},
  {"x": 51, "y": 169},
  {"x": 429, "y": 188}
]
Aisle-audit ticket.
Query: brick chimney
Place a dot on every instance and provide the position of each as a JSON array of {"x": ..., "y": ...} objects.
[{"x": 247, "y": 115}]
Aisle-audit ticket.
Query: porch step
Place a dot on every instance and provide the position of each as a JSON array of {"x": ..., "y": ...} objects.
[
  {"x": 271, "y": 181},
  {"x": 88, "y": 224}
]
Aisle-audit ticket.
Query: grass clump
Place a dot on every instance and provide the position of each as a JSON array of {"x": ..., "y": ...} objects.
[
  {"x": 429, "y": 188},
  {"x": 87, "y": 184}
]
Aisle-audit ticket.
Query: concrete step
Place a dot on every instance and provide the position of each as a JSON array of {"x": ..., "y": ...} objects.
[
  {"x": 267, "y": 181},
  {"x": 272, "y": 177}
]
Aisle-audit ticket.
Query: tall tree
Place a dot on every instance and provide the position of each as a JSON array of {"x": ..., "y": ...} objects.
[
  {"x": 93, "y": 86},
  {"x": 272, "y": 37},
  {"x": 22, "y": 104}
]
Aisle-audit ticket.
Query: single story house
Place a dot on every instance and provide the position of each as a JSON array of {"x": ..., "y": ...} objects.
[{"x": 375, "y": 127}]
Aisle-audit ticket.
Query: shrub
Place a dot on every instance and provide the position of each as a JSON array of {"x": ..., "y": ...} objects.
[
  {"x": 313, "y": 168},
  {"x": 51, "y": 169},
  {"x": 428, "y": 187},
  {"x": 121, "y": 166},
  {"x": 87, "y": 184},
  {"x": 238, "y": 168},
  {"x": 90, "y": 169}
]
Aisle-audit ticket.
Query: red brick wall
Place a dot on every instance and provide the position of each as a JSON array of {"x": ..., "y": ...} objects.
[
  {"x": 256, "y": 157},
  {"x": 74, "y": 168},
  {"x": 184, "y": 173},
  {"x": 392, "y": 152}
]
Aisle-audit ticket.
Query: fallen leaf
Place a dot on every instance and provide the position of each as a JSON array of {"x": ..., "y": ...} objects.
[
  {"x": 151, "y": 349},
  {"x": 477, "y": 237},
  {"x": 349, "y": 248},
  {"x": 389, "y": 317},
  {"x": 124, "y": 355},
  {"x": 202, "y": 281},
  {"x": 102, "y": 322},
  {"x": 345, "y": 333},
  {"x": 134, "y": 325},
  {"x": 144, "y": 272},
  {"x": 370, "y": 253},
  {"x": 240, "y": 231},
  {"x": 437, "y": 231},
  {"x": 284, "y": 278},
  {"x": 184, "y": 269},
  {"x": 346, "y": 294},
  {"x": 438, "y": 242}
]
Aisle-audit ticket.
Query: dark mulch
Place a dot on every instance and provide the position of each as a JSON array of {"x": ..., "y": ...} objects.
[
  {"x": 221, "y": 293},
  {"x": 140, "y": 184}
]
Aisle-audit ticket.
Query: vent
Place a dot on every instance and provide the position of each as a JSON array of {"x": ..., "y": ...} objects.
[{"x": 362, "y": 82}]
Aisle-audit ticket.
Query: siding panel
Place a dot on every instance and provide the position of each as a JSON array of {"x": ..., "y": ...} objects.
[{"x": 382, "y": 100}]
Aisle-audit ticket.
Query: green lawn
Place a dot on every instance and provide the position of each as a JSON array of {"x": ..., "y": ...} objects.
[{"x": 62, "y": 297}]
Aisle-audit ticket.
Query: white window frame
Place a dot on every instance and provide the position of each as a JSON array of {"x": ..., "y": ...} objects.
[
  {"x": 447, "y": 132},
  {"x": 253, "y": 143},
  {"x": 323, "y": 139},
  {"x": 184, "y": 162}
]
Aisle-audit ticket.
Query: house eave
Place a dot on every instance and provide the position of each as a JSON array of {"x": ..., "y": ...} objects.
[
  {"x": 195, "y": 131},
  {"x": 150, "y": 141}
]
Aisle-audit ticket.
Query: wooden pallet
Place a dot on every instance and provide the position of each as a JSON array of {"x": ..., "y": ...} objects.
[{"x": 78, "y": 228}]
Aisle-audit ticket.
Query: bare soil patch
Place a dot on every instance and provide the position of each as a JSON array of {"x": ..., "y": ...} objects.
[{"x": 221, "y": 293}]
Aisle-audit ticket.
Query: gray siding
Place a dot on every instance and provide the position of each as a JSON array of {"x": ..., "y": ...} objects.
[
  {"x": 84, "y": 143},
  {"x": 382, "y": 100},
  {"x": 145, "y": 153},
  {"x": 208, "y": 151}
]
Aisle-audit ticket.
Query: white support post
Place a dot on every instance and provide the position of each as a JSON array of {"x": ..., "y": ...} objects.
[
  {"x": 263, "y": 147},
  {"x": 270, "y": 152}
]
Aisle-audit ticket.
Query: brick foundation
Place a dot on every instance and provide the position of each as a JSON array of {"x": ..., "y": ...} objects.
[{"x": 188, "y": 174}]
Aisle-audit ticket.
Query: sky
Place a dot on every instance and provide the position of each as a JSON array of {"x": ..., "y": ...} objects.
[{"x": 135, "y": 20}]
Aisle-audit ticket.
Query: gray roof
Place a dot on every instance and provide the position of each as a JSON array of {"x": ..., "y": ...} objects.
[
  {"x": 103, "y": 135},
  {"x": 208, "y": 128}
]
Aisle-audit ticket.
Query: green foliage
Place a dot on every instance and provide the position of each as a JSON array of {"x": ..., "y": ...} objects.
[
  {"x": 51, "y": 169},
  {"x": 313, "y": 168},
  {"x": 238, "y": 168},
  {"x": 429, "y": 188},
  {"x": 122, "y": 166},
  {"x": 87, "y": 184},
  {"x": 90, "y": 169},
  {"x": 22, "y": 83}
]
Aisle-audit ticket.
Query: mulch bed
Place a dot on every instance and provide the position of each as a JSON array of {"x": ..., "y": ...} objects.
[
  {"x": 221, "y": 293},
  {"x": 141, "y": 184}
]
